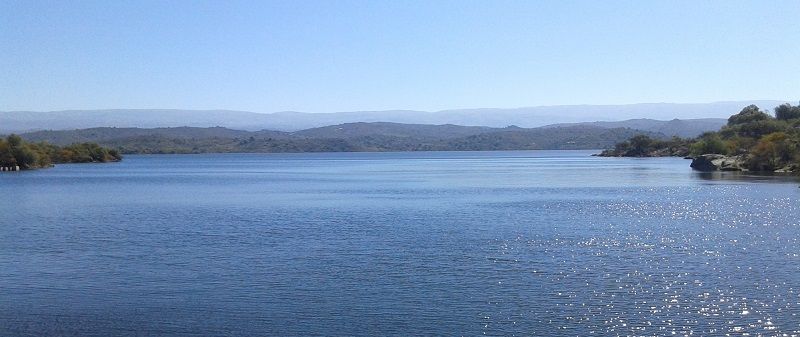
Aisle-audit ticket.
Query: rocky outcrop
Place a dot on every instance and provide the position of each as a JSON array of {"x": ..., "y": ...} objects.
[
  {"x": 789, "y": 169},
  {"x": 661, "y": 152},
  {"x": 718, "y": 162}
]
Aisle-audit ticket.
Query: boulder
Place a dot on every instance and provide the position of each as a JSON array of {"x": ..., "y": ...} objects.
[
  {"x": 718, "y": 162},
  {"x": 789, "y": 169}
]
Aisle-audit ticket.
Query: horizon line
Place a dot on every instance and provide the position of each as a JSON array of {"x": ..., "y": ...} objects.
[{"x": 404, "y": 110}]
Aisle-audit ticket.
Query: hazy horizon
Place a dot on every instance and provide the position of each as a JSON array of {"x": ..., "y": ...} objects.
[
  {"x": 21, "y": 121},
  {"x": 767, "y": 108}
]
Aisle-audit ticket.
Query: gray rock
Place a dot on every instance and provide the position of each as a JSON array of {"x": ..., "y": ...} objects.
[
  {"x": 718, "y": 162},
  {"x": 789, "y": 169}
]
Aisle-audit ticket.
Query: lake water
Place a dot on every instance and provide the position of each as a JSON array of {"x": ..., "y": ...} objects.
[{"x": 523, "y": 243}]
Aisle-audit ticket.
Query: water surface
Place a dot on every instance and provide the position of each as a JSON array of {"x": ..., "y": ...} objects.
[{"x": 378, "y": 244}]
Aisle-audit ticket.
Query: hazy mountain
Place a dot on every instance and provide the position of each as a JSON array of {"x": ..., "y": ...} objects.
[
  {"x": 18, "y": 121},
  {"x": 82, "y": 119},
  {"x": 686, "y": 128}
]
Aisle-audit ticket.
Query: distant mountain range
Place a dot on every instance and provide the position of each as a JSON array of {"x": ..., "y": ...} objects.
[
  {"x": 22, "y": 121},
  {"x": 379, "y": 136}
]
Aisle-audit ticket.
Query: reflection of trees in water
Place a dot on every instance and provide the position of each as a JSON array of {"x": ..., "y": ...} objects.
[{"x": 765, "y": 177}]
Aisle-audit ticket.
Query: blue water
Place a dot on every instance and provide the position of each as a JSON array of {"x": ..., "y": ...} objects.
[{"x": 549, "y": 243}]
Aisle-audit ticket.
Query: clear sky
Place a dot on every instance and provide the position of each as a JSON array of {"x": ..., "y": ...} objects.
[{"x": 325, "y": 56}]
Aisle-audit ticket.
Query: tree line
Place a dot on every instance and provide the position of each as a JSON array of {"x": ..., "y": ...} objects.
[
  {"x": 766, "y": 142},
  {"x": 14, "y": 151}
]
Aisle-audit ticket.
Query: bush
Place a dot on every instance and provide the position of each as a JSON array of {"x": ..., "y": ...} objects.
[{"x": 709, "y": 143}]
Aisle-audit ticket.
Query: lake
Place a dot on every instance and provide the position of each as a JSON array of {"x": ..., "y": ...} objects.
[{"x": 397, "y": 244}]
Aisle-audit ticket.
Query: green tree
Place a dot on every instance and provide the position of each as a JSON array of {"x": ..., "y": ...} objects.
[
  {"x": 772, "y": 152},
  {"x": 16, "y": 152},
  {"x": 14, "y": 140},
  {"x": 6, "y": 157},
  {"x": 750, "y": 113},
  {"x": 640, "y": 145},
  {"x": 787, "y": 112},
  {"x": 759, "y": 128}
]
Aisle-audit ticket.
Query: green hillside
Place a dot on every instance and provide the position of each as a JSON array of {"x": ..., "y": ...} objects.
[{"x": 353, "y": 137}]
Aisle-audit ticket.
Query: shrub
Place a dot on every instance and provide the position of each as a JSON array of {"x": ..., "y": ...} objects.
[
  {"x": 709, "y": 143},
  {"x": 772, "y": 152}
]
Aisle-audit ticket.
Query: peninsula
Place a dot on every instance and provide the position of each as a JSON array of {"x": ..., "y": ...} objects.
[
  {"x": 752, "y": 140},
  {"x": 17, "y": 154}
]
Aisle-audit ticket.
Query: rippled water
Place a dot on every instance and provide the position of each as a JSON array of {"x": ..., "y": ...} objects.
[{"x": 375, "y": 244}]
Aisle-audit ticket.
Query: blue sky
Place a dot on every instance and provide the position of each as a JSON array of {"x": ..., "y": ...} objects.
[{"x": 325, "y": 56}]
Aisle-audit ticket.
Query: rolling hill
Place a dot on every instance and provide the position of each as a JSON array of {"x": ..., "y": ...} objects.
[
  {"x": 345, "y": 137},
  {"x": 676, "y": 127}
]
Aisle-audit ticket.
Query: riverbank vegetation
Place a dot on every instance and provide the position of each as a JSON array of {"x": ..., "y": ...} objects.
[
  {"x": 758, "y": 140},
  {"x": 14, "y": 151}
]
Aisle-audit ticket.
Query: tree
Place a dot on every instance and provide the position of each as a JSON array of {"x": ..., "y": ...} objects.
[
  {"x": 759, "y": 128},
  {"x": 25, "y": 157},
  {"x": 14, "y": 141},
  {"x": 639, "y": 145},
  {"x": 750, "y": 113},
  {"x": 16, "y": 152},
  {"x": 6, "y": 157},
  {"x": 787, "y": 112},
  {"x": 772, "y": 151}
]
